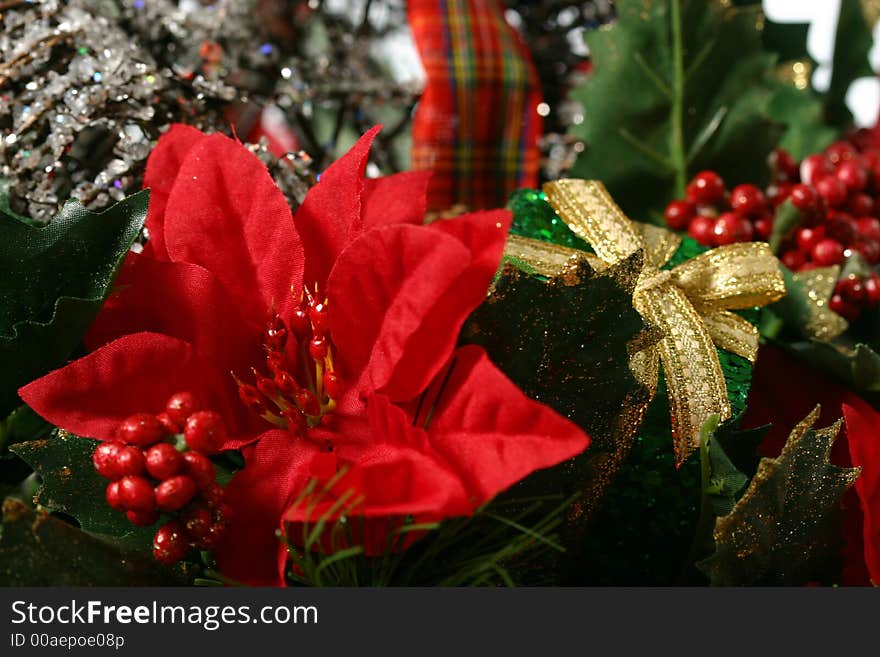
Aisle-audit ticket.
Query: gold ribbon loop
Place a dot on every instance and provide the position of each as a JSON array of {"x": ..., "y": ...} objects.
[{"x": 689, "y": 303}]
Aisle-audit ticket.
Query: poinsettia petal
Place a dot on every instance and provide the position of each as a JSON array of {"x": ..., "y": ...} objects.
[
  {"x": 276, "y": 469},
  {"x": 136, "y": 373},
  {"x": 397, "y": 199},
  {"x": 381, "y": 289},
  {"x": 163, "y": 166},
  {"x": 331, "y": 212},
  {"x": 184, "y": 301},
  {"x": 863, "y": 435},
  {"x": 491, "y": 433},
  {"x": 226, "y": 215}
]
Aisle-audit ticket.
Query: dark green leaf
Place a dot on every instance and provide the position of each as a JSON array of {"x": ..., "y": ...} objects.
[
  {"x": 678, "y": 86},
  {"x": 858, "y": 367},
  {"x": 852, "y": 43},
  {"x": 787, "y": 219},
  {"x": 53, "y": 280},
  {"x": 781, "y": 532},
  {"x": 803, "y": 113},
  {"x": 37, "y": 549},
  {"x": 723, "y": 481}
]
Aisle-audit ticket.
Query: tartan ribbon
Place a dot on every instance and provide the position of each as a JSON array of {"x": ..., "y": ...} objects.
[
  {"x": 690, "y": 303},
  {"x": 476, "y": 125}
]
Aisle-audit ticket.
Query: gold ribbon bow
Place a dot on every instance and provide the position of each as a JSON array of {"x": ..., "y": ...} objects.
[{"x": 691, "y": 303}]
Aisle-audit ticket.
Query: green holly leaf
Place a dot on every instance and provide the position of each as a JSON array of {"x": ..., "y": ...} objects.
[
  {"x": 53, "y": 281},
  {"x": 781, "y": 530},
  {"x": 722, "y": 480},
  {"x": 678, "y": 86},
  {"x": 787, "y": 218},
  {"x": 852, "y": 43},
  {"x": 38, "y": 549},
  {"x": 565, "y": 341},
  {"x": 803, "y": 113},
  {"x": 857, "y": 367}
]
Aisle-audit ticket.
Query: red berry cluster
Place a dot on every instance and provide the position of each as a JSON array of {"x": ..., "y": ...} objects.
[
  {"x": 158, "y": 464},
  {"x": 853, "y": 294},
  {"x": 836, "y": 192}
]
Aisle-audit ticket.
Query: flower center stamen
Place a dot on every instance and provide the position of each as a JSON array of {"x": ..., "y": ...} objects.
[{"x": 303, "y": 396}]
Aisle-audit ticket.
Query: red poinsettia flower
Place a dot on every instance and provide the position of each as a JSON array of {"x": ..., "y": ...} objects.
[{"x": 328, "y": 340}]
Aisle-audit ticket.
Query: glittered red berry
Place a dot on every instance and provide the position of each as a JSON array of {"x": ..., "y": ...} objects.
[
  {"x": 701, "y": 229},
  {"x": 170, "y": 544},
  {"x": 747, "y": 200},
  {"x": 205, "y": 432},
  {"x": 793, "y": 259},
  {"x": 832, "y": 191},
  {"x": 807, "y": 238},
  {"x": 812, "y": 168},
  {"x": 678, "y": 214},
  {"x": 175, "y": 493},
  {"x": 180, "y": 406},
  {"x": 163, "y": 461},
  {"x": 212, "y": 494},
  {"x": 200, "y": 468},
  {"x": 171, "y": 427},
  {"x": 142, "y": 518},
  {"x": 872, "y": 290},
  {"x": 211, "y": 538},
  {"x": 852, "y": 175},
  {"x": 197, "y": 522},
  {"x": 868, "y": 227},
  {"x": 730, "y": 228},
  {"x": 104, "y": 459},
  {"x": 140, "y": 429},
  {"x": 114, "y": 497},
  {"x": 136, "y": 494},
  {"x": 129, "y": 461},
  {"x": 804, "y": 198},
  {"x": 706, "y": 187},
  {"x": 844, "y": 308},
  {"x": 827, "y": 252}
]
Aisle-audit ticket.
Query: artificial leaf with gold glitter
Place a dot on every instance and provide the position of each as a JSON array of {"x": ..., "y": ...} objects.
[{"x": 781, "y": 530}]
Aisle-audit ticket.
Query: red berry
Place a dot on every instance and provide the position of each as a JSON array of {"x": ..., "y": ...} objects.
[
  {"x": 869, "y": 250},
  {"x": 807, "y": 238},
  {"x": 299, "y": 322},
  {"x": 197, "y": 522},
  {"x": 142, "y": 518},
  {"x": 851, "y": 289},
  {"x": 104, "y": 459},
  {"x": 318, "y": 347},
  {"x": 331, "y": 385},
  {"x": 170, "y": 543},
  {"x": 706, "y": 187},
  {"x": 180, "y": 406},
  {"x": 175, "y": 493},
  {"x": 171, "y": 427},
  {"x": 840, "y": 151},
  {"x": 163, "y": 461},
  {"x": 318, "y": 316},
  {"x": 783, "y": 165},
  {"x": 286, "y": 383},
  {"x": 136, "y": 494},
  {"x": 307, "y": 402},
  {"x": 832, "y": 191},
  {"x": 777, "y": 194},
  {"x": 861, "y": 205},
  {"x": 812, "y": 168},
  {"x": 730, "y": 228},
  {"x": 205, "y": 432},
  {"x": 212, "y": 494},
  {"x": 868, "y": 227},
  {"x": 827, "y": 252},
  {"x": 140, "y": 429},
  {"x": 843, "y": 308},
  {"x": 804, "y": 198},
  {"x": 678, "y": 214},
  {"x": 199, "y": 468},
  {"x": 114, "y": 496},
  {"x": 276, "y": 335},
  {"x": 747, "y": 200},
  {"x": 794, "y": 260},
  {"x": 872, "y": 290},
  {"x": 852, "y": 175},
  {"x": 211, "y": 538},
  {"x": 129, "y": 461},
  {"x": 764, "y": 227},
  {"x": 840, "y": 227},
  {"x": 701, "y": 229}
]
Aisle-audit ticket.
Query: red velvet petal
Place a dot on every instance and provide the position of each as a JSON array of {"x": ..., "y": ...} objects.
[
  {"x": 226, "y": 214},
  {"x": 163, "y": 166},
  {"x": 331, "y": 213},
  {"x": 382, "y": 288},
  {"x": 397, "y": 199},
  {"x": 136, "y": 373},
  {"x": 277, "y": 469},
  {"x": 184, "y": 301},
  {"x": 863, "y": 433},
  {"x": 491, "y": 433}
]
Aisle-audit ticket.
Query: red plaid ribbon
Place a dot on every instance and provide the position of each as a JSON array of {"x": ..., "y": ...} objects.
[{"x": 477, "y": 124}]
